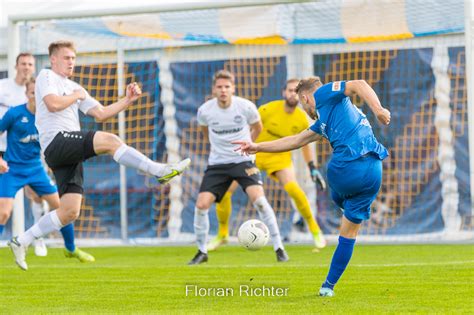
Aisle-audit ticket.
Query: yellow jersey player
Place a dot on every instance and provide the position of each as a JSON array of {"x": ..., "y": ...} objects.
[{"x": 280, "y": 119}]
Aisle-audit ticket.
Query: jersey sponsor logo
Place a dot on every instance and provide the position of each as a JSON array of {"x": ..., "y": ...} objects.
[
  {"x": 30, "y": 138},
  {"x": 336, "y": 86},
  {"x": 252, "y": 171},
  {"x": 24, "y": 120},
  {"x": 226, "y": 131},
  {"x": 238, "y": 119},
  {"x": 323, "y": 130}
]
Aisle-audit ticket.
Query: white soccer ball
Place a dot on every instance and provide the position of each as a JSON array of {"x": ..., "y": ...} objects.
[{"x": 253, "y": 234}]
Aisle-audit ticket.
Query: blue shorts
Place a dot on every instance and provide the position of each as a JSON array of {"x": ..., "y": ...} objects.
[
  {"x": 19, "y": 176},
  {"x": 354, "y": 185}
]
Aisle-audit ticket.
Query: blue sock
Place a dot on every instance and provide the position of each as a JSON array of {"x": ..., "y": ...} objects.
[
  {"x": 339, "y": 262},
  {"x": 2, "y": 226},
  {"x": 68, "y": 234}
]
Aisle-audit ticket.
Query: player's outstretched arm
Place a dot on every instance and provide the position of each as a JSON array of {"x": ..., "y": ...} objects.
[
  {"x": 280, "y": 145},
  {"x": 102, "y": 113},
  {"x": 365, "y": 91}
]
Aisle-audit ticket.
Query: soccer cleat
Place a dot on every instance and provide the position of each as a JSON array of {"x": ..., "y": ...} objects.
[
  {"x": 19, "y": 251},
  {"x": 81, "y": 255},
  {"x": 282, "y": 256},
  {"x": 217, "y": 242},
  {"x": 319, "y": 240},
  {"x": 199, "y": 258},
  {"x": 326, "y": 292},
  {"x": 174, "y": 170},
  {"x": 40, "y": 248}
]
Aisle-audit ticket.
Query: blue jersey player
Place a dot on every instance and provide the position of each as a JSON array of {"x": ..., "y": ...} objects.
[
  {"x": 22, "y": 166},
  {"x": 355, "y": 169}
]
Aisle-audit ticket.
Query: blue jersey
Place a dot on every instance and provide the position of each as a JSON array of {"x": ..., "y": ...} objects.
[
  {"x": 344, "y": 125},
  {"x": 22, "y": 137}
]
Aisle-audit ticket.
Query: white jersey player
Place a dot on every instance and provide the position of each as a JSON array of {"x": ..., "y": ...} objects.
[
  {"x": 66, "y": 146},
  {"x": 224, "y": 119}
]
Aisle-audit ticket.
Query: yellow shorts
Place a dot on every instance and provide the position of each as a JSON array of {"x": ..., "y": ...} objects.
[{"x": 273, "y": 162}]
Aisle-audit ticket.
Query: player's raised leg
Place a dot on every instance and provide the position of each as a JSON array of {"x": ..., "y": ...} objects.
[
  {"x": 267, "y": 215},
  {"x": 107, "y": 143}
]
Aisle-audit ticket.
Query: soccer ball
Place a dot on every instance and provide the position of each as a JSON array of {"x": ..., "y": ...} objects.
[{"x": 253, "y": 234}]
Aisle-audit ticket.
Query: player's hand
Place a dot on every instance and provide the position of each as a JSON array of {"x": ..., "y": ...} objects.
[
  {"x": 384, "y": 116},
  {"x": 133, "y": 92},
  {"x": 3, "y": 166},
  {"x": 316, "y": 176},
  {"x": 80, "y": 94},
  {"x": 245, "y": 147}
]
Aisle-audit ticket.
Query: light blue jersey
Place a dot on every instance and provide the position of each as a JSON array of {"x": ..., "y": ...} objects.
[
  {"x": 355, "y": 170},
  {"x": 22, "y": 136},
  {"x": 23, "y": 155},
  {"x": 344, "y": 125}
]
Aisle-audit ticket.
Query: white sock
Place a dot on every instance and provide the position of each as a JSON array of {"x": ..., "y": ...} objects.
[
  {"x": 37, "y": 210},
  {"x": 267, "y": 215},
  {"x": 201, "y": 228},
  {"x": 47, "y": 224},
  {"x": 130, "y": 157}
]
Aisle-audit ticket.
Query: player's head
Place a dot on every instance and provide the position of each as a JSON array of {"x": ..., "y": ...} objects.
[
  {"x": 25, "y": 66},
  {"x": 305, "y": 90},
  {"x": 30, "y": 90},
  {"x": 223, "y": 86},
  {"x": 289, "y": 92},
  {"x": 63, "y": 57}
]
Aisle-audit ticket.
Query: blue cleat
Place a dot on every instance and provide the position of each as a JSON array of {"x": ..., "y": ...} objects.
[{"x": 326, "y": 292}]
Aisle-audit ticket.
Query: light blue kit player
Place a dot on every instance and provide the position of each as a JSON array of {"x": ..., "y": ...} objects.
[
  {"x": 355, "y": 169},
  {"x": 22, "y": 166}
]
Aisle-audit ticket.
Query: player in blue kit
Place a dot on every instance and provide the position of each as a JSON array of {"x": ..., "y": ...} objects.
[
  {"x": 22, "y": 166},
  {"x": 355, "y": 170}
]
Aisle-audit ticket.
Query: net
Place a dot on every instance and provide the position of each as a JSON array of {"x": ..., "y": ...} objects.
[{"x": 418, "y": 72}]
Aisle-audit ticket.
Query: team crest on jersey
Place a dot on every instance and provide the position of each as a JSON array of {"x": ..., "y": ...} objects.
[
  {"x": 336, "y": 86},
  {"x": 24, "y": 119},
  {"x": 252, "y": 171},
  {"x": 238, "y": 119}
]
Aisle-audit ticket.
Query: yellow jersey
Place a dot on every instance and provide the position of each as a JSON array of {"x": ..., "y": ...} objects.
[{"x": 277, "y": 123}]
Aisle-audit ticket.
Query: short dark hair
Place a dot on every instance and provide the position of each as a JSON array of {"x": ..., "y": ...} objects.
[
  {"x": 23, "y": 54},
  {"x": 55, "y": 46},
  {"x": 223, "y": 74}
]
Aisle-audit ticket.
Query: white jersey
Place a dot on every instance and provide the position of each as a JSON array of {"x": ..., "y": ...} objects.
[
  {"x": 11, "y": 94},
  {"x": 49, "y": 124},
  {"x": 226, "y": 125}
]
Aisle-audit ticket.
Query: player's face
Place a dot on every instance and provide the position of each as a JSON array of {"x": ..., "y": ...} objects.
[
  {"x": 30, "y": 91},
  {"x": 63, "y": 61},
  {"x": 309, "y": 104},
  {"x": 290, "y": 95},
  {"x": 223, "y": 89},
  {"x": 25, "y": 67}
]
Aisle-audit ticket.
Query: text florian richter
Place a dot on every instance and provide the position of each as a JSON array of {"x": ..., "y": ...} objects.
[{"x": 193, "y": 290}]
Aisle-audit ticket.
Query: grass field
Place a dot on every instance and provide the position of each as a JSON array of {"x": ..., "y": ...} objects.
[{"x": 380, "y": 279}]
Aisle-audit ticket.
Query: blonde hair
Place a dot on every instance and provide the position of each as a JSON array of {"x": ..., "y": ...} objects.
[
  {"x": 308, "y": 84},
  {"x": 55, "y": 46},
  {"x": 223, "y": 74},
  {"x": 31, "y": 80}
]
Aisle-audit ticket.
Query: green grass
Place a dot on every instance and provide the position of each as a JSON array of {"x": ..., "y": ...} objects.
[{"x": 380, "y": 279}]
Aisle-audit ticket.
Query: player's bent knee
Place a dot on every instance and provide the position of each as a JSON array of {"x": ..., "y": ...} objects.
[
  {"x": 4, "y": 216},
  {"x": 105, "y": 142}
]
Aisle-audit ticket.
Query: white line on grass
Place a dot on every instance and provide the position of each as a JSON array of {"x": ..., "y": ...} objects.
[{"x": 98, "y": 266}]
